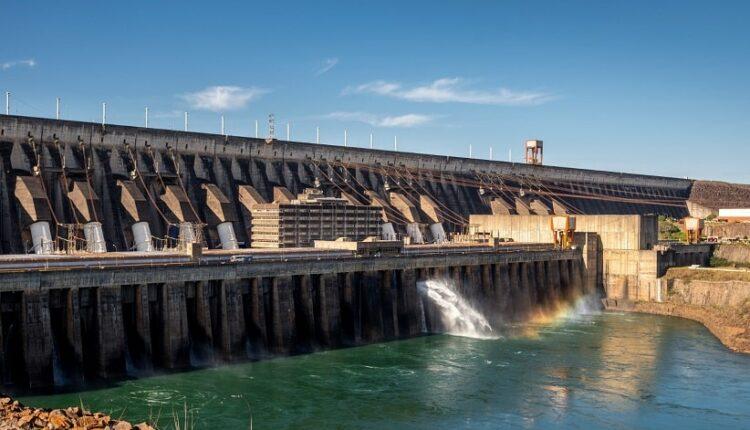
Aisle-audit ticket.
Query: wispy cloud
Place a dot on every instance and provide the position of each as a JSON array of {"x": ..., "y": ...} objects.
[
  {"x": 18, "y": 63},
  {"x": 326, "y": 66},
  {"x": 223, "y": 97},
  {"x": 400, "y": 121},
  {"x": 451, "y": 90}
]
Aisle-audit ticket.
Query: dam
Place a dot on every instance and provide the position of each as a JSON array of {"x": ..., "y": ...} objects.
[{"x": 126, "y": 250}]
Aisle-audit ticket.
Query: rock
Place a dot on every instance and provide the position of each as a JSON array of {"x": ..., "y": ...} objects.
[
  {"x": 24, "y": 420},
  {"x": 59, "y": 421},
  {"x": 14, "y": 415}
]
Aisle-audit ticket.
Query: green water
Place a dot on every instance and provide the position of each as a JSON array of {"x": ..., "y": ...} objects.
[{"x": 602, "y": 371}]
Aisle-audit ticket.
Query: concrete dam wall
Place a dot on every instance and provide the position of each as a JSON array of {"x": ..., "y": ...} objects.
[
  {"x": 70, "y": 173},
  {"x": 63, "y": 327}
]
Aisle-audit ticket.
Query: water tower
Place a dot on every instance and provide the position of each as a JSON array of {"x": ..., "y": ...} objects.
[{"x": 534, "y": 152}]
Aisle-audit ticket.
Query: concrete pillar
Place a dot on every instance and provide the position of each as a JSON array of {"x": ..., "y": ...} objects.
[
  {"x": 540, "y": 280},
  {"x": 576, "y": 275},
  {"x": 282, "y": 314},
  {"x": 256, "y": 317},
  {"x": 232, "y": 317},
  {"x": 473, "y": 278},
  {"x": 389, "y": 299},
  {"x": 73, "y": 326},
  {"x": 408, "y": 304},
  {"x": 520, "y": 290},
  {"x": 351, "y": 317},
  {"x": 372, "y": 307},
  {"x": 176, "y": 333},
  {"x": 111, "y": 331},
  {"x": 328, "y": 318},
  {"x": 143, "y": 320},
  {"x": 203, "y": 294},
  {"x": 503, "y": 297},
  {"x": 528, "y": 280},
  {"x": 565, "y": 280},
  {"x": 488, "y": 298},
  {"x": 457, "y": 278},
  {"x": 37, "y": 337},
  {"x": 553, "y": 281},
  {"x": 304, "y": 306}
]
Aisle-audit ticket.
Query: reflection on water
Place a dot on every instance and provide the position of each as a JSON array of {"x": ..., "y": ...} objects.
[{"x": 584, "y": 371}]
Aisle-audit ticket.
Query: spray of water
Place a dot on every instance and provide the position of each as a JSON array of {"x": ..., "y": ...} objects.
[{"x": 458, "y": 317}]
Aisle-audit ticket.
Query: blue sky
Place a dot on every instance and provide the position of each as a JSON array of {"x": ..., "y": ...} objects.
[{"x": 638, "y": 86}]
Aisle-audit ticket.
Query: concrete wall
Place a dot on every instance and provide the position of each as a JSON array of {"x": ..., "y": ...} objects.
[
  {"x": 225, "y": 163},
  {"x": 728, "y": 229},
  {"x": 19, "y": 128},
  {"x": 735, "y": 253},
  {"x": 634, "y": 274},
  {"x": 617, "y": 249},
  {"x": 700, "y": 292},
  {"x": 615, "y": 231},
  {"x": 78, "y": 330}
]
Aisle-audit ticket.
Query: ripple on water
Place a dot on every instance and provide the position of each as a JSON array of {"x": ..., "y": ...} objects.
[{"x": 612, "y": 372}]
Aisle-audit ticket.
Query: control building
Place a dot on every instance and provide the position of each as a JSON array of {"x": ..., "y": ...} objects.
[{"x": 290, "y": 222}]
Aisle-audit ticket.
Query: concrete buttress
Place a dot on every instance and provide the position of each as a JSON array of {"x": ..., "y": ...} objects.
[{"x": 37, "y": 337}]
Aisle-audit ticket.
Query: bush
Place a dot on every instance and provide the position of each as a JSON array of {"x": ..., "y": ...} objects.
[{"x": 719, "y": 262}]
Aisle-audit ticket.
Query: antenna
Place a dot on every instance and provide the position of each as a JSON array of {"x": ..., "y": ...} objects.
[
  {"x": 288, "y": 131},
  {"x": 317, "y": 134},
  {"x": 256, "y": 128},
  {"x": 510, "y": 155},
  {"x": 346, "y": 138},
  {"x": 395, "y": 143},
  {"x": 57, "y": 108},
  {"x": 7, "y": 102},
  {"x": 104, "y": 113},
  {"x": 146, "y": 117},
  {"x": 222, "y": 125},
  {"x": 371, "y": 140},
  {"x": 186, "y": 121}
]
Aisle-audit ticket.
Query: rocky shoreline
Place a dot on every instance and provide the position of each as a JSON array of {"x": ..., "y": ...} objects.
[
  {"x": 14, "y": 415},
  {"x": 732, "y": 330}
]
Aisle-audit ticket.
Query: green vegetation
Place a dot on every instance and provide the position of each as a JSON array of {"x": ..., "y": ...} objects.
[
  {"x": 719, "y": 262},
  {"x": 669, "y": 229},
  {"x": 723, "y": 262}
]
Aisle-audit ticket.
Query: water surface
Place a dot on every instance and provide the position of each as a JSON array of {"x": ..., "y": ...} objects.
[{"x": 617, "y": 371}]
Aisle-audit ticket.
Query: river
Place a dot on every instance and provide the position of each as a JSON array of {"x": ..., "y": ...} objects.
[{"x": 615, "y": 371}]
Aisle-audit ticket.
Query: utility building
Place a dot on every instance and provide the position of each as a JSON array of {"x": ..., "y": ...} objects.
[{"x": 310, "y": 217}]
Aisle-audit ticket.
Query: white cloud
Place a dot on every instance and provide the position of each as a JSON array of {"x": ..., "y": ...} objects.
[
  {"x": 326, "y": 66},
  {"x": 453, "y": 90},
  {"x": 400, "y": 121},
  {"x": 16, "y": 63},
  {"x": 222, "y": 98}
]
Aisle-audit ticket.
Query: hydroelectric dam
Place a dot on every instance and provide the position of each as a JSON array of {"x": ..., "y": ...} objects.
[{"x": 126, "y": 250}]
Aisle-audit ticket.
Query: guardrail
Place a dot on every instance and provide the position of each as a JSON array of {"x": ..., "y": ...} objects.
[{"x": 22, "y": 263}]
